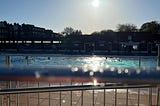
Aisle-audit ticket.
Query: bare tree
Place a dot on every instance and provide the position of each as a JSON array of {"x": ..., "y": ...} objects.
[{"x": 71, "y": 31}]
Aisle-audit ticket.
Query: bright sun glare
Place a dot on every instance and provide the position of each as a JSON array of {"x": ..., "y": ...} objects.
[{"x": 95, "y": 3}]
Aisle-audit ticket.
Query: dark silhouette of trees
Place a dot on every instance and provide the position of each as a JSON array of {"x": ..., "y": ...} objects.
[
  {"x": 67, "y": 37},
  {"x": 77, "y": 32},
  {"x": 105, "y": 31},
  {"x": 71, "y": 31},
  {"x": 102, "y": 32},
  {"x": 152, "y": 27},
  {"x": 127, "y": 28},
  {"x": 67, "y": 31},
  {"x": 95, "y": 33}
]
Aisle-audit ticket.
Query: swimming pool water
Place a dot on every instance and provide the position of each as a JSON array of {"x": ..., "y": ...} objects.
[{"x": 79, "y": 61}]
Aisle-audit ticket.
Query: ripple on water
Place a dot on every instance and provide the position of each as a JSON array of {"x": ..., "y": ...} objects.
[{"x": 80, "y": 61}]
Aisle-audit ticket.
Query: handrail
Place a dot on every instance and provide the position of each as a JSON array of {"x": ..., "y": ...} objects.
[
  {"x": 82, "y": 74},
  {"x": 69, "y": 88}
]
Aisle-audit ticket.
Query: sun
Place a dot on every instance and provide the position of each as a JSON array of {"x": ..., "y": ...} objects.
[{"x": 95, "y": 3}]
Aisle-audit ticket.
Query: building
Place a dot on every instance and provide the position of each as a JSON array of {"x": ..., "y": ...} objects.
[
  {"x": 25, "y": 36},
  {"x": 115, "y": 43},
  {"x": 6, "y": 30},
  {"x": 29, "y": 37}
]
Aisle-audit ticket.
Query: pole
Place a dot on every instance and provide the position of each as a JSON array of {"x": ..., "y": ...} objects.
[
  {"x": 115, "y": 97},
  {"x": 127, "y": 97},
  {"x": 9, "y": 82},
  {"x": 17, "y": 96},
  {"x": 60, "y": 96},
  {"x": 1, "y": 100},
  {"x": 138, "y": 97},
  {"x": 27, "y": 59},
  {"x": 150, "y": 97},
  {"x": 82, "y": 96},
  {"x": 28, "y": 94},
  {"x": 71, "y": 96},
  {"x": 158, "y": 59},
  {"x": 38, "y": 95},
  {"x": 8, "y": 60},
  {"x": 104, "y": 97},
  {"x": 158, "y": 65},
  {"x": 158, "y": 96},
  {"x": 49, "y": 104},
  {"x": 93, "y": 102},
  {"x": 139, "y": 62}
]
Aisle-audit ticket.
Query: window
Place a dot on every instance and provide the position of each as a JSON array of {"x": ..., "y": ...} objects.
[
  {"x": 11, "y": 41},
  {"x": 101, "y": 44},
  {"x": 129, "y": 37},
  {"x": 46, "y": 41},
  {"x": 37, "y": 41},
  {"x": 135, "y": 47},
  {"x": 56, "y": 41},
  {"x": 19, "y": 41},
  {"x": 7, "y": 41},
  {"x": 28, "y": 41},
  {"x": 76, "y": 44}
]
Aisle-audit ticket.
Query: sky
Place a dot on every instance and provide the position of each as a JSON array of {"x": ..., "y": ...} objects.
[{"x": 84, "y": 15}]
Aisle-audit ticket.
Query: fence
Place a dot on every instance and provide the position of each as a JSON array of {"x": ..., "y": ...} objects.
[
  {"x": 72, "y": 86},
  {"x": 81, "y": 94}
]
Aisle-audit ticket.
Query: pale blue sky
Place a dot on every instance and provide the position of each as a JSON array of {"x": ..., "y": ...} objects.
[{"x": 79, "y": 14}]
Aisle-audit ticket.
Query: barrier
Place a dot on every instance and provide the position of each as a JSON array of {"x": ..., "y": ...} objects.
[{"x": 76, "y": 74}]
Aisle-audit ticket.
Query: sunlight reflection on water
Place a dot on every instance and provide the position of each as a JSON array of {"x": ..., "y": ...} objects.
[{"x": 92, "y": 62}]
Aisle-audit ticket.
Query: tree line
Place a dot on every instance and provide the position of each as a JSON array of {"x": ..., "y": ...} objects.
[{"x": 148, "y": 27}]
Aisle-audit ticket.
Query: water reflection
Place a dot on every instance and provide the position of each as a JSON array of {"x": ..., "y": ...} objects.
[{"x": 96, "y": 63}]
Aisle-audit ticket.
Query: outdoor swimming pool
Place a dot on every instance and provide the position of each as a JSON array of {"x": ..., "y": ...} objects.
[
  {"x": 99, "y": 97},
  {"x": 79, "y": 61}
]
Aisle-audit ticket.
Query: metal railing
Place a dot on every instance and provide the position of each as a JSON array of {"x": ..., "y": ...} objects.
[
  {"x": 35, "y": 94},
  {"x": 138, "y": 86},
  {"x": 68, "y": 86}
]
